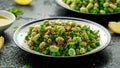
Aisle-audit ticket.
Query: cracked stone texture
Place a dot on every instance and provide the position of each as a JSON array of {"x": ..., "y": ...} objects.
[{"x": 11, "y": 55}]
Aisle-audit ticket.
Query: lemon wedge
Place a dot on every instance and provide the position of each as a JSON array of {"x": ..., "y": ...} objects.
[
  {"x": 1, "y": 42},
  {"x": 23, "y": 2},
  {"x": 114, "y": 26}
]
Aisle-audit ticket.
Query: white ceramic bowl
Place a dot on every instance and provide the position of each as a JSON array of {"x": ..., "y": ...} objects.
[
  {"x": 8, "y": 15},
  {"x": 20, "y": 33}
]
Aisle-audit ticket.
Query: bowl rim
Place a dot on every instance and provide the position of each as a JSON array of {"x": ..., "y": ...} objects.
[
  {"x": 55, "y": 18},
  {"x": 12, "y": 15}
]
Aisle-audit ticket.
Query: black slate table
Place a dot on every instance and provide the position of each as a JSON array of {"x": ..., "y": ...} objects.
[{"x": 12, "y": 55}]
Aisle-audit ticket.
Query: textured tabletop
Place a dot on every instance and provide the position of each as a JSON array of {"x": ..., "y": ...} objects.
[{"x": 12, "y": 55}]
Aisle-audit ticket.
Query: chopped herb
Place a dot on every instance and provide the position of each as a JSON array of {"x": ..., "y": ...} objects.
[
  {"x": 15, "y": 11},
  {"x": 15, "y": 27}
]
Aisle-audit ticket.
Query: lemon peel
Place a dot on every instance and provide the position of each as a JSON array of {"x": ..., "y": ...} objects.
[
  {"x": 1, "y": 42},
  {"x": 23, "y": 2},
  {"x": 114, "y": 26}
]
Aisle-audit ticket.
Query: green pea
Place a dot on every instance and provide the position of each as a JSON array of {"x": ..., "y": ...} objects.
[
  {"x": 101, "y": 7},
  {"x": 77, "y": 8},
  {"x": 45, "y": 52},
  {"x": 61, "y": 48},
  {"x": 117, "y": 9},
  {"x": 93, "y": 41},
  {"x": 106, "y": 10},
  {"x": 58, "y": 54},
  {"x": 90, "y": 36},
  {"x": 53, "y": 53},
  {"x": 61, "y": 52},
  {"x": 93, "y": 45},
  {"x": 65, "y": 34},
  {"x": 71, "y": 46},
  {"x": 37, "y": 43},
  {"x": 79, "y": 46},
  {"x": 54, "y": 35},
  {"x": 94, "y": 11},
  {"x": 66, "y": 51},
  {"x": 81, "y": 3},
  {"x": 37, "y": 49},
  {"x": 102, "y": 2},
  {"x": 72, "y": 33},
  {"x": 97, "y": 43},
  {"x": 27, "y": 37},
  {"x": 118, "y": 4},
  {"x": 32, "y": 47},
  {"x": 42, "y": 28},
  {"x": 88, "y": 49}
]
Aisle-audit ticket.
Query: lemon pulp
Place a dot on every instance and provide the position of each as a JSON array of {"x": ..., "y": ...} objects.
[
  {"x": 115, "y": 27},
  {"x": 23, "y": 2},
  {"x": 1, "y": 42}
]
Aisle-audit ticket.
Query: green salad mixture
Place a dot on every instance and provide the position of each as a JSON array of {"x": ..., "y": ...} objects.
[
  {"x": 94, "y": 6},
  {"x": 62, "y": 38}
]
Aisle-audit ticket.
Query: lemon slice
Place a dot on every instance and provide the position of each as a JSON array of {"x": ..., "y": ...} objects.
[
  {"x": 1, "y": 42},
  {"x": 114, "y": 26},
  {"x": 23, "y": 2}
]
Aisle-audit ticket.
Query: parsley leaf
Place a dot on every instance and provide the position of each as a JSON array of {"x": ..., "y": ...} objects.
[
  {"x": 15, "y": 11},
  {"x": 15, "y": 27}
]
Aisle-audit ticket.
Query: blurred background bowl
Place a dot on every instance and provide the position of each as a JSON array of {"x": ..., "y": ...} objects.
[
  {"x": 6, "y": 14},
  {"x": 102, "y": 19}
]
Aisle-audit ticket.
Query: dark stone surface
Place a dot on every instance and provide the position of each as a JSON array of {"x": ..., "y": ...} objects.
[{"x": 11, "y": 55}]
